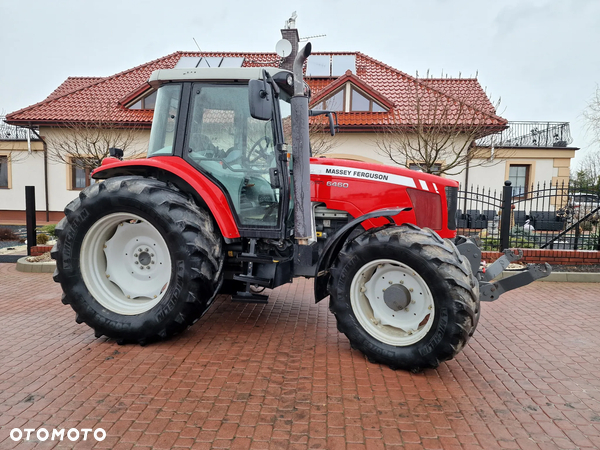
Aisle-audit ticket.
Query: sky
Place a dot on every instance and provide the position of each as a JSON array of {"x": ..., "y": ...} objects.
[{"x": 541, "y": 58}]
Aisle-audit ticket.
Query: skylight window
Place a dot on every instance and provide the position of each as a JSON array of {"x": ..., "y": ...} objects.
[
  {"x": 318, "y": 66},
  {"x": 330, "y": 65},
  {"x": 234, "y": 61},
  {"x": 210, "y": 61},
  {"x": 187, "y": 62},
  {"x": 341, "y": 63},
  {"x": 190, "y": 62}
]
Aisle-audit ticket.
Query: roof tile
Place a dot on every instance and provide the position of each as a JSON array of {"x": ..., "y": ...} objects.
[{"x": 100, "y": 98}]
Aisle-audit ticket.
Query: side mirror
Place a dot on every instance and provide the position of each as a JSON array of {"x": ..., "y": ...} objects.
[
  {"x": 260, "y": 100},
  {"x": 116, "y": 153}
]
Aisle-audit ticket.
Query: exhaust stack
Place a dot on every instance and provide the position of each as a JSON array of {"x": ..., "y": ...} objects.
[{"x": 301, "y": 152}]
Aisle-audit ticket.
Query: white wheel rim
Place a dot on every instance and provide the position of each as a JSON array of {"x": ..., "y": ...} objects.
[
  {"x": 400, "y": 317},
  {"x": 125, "y": 263}
]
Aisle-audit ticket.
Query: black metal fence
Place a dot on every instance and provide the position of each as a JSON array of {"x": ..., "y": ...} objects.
[{"x": 557, "y": 216}]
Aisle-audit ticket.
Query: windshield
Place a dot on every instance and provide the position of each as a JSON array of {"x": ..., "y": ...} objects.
[{"x": 162, "y": 135}]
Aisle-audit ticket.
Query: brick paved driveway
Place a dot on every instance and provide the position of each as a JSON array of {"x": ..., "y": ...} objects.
[{"x": 280, "y": 376}]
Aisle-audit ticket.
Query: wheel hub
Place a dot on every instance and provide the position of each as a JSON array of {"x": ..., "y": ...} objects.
[
  {"x": 392, "y": 302},
  {"x": 144, "y": 257},
  {"x": 125, "y": 263},
  {"x": 396, "y": 297}
]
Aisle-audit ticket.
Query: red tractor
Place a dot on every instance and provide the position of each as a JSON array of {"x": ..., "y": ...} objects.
[{"x": 220, "y": 207}]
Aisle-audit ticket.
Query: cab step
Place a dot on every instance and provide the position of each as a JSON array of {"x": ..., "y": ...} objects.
[{"x": 249, "y": 297}]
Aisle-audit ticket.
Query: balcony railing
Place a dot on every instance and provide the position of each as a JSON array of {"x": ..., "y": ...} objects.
[{"x": 530, "y": 134}]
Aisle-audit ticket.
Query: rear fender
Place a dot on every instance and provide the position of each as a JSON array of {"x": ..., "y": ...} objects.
[
  {"x": 175, "y": 170},
  {"x": 335, "y": 244}
]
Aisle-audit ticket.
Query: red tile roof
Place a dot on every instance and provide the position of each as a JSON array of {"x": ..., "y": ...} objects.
[
  {"x": 91, "y": 99},
  {"x": 72, "y": 84}
]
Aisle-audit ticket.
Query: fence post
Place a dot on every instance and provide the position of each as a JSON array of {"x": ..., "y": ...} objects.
[
  {"x": 30, "y": 217},
  {"x": 506, "y": 213}
]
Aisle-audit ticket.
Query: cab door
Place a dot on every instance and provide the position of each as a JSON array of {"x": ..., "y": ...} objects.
[{"x": 238, "y": 153}]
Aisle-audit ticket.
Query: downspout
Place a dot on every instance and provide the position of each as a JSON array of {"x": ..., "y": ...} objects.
[
  {"x": 46, "y": 196},
  {"x": 466, "y": 183}
]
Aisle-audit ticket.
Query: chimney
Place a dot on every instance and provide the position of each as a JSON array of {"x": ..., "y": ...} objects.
[{"x": 290, "y": 33}]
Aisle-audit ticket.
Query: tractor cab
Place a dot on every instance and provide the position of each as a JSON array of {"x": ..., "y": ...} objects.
[{"x": 204, "y": 116}]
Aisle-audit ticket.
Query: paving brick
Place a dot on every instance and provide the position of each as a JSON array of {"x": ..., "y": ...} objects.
[{"x": 281, "y": 376}]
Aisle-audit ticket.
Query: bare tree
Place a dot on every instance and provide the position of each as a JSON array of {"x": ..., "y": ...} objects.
[
  {"x": 439, "y": 132},
  {"x": 592, "y": 114},
  {"x": 86, "y": 144},
  {"x": 588, "y": 171},
  {"x": 321, "y": 140}
]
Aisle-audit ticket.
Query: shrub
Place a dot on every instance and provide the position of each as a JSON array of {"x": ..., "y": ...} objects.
[
  {"x": 50, "y": 230},
  {"x": 522, "y": 238},
  {"x": 6, "y": 234},
  {"x": 42, "y": 239}
]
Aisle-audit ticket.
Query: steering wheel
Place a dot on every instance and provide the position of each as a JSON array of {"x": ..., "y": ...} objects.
[{"x": 259, "y": 150}]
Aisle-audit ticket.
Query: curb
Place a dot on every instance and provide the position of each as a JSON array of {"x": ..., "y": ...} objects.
[
  {"x": 562, "y": 277},
  {"x": 35, "y": 267}
]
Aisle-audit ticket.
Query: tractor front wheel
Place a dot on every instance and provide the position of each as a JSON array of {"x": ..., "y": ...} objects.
[
  {"x": 404, "y": 297},
  {"x": 137, "y": 260}
]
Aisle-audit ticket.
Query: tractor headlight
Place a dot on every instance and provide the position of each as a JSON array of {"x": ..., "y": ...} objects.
[{"x": 290, "y": 79}]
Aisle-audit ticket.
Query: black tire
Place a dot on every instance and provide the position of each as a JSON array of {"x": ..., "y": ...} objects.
[
  {"x": 194, "y": 244},
  {"x": 447, "y": 274}
]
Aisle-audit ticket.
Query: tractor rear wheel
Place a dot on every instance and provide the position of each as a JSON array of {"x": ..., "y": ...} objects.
[
  {"x": 404, "y": 297},
  {"x": 137, "y": 260}
]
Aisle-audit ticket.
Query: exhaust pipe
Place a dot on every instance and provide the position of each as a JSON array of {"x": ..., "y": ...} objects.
[{"x": 301, "y": 152}]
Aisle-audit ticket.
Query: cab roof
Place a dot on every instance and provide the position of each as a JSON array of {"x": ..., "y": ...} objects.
[{"x": 158, "y": 77}]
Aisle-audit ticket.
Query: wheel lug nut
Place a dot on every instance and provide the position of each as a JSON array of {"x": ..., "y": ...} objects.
[
  {"x": 411, "y": 289},
  {"x": 401, "y": 281},
  {"x": 135, "y": 255},
  {"x": 152, "y": 262},
  {"x": 152, "y": 255},
  {"x": 390, "y": 282},
  {"x": 137, "y": 262},
  {"x": 145, "y": 249}
]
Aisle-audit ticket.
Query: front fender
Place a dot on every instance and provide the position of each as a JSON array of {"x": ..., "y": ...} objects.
[
  {"x": 335, "y": 244},
  {"x": 177, "y": 171}
]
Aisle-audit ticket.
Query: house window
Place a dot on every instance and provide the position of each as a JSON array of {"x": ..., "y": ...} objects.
[
  {"x": 81, "y": 174},
  {"x": 146, "y": 102},
  {"x": 436, "y": 168},
  {"x": 336, "y": 102},
  {"x": 3, "y": 172},
  {"x": 519, "y": 177},
  {"x": 358, "y": 102}
]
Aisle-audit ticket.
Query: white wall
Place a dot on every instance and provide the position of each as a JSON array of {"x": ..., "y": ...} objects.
[{"x": 25, "y": 170}]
